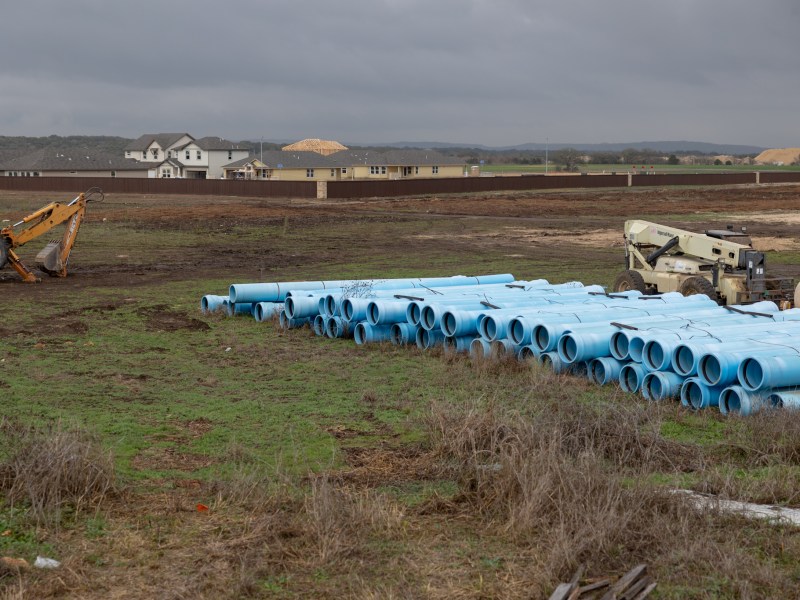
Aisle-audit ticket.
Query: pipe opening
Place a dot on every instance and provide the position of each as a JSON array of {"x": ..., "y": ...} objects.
[
  {"x": 360, "y": 334},
  {"x": 542, "y": 338},
  {"x": 653, "y": 355},
  {"x": 752, "y": 374},
  {"x": 619, "y": 346},
  {"x": 684, "y": 360},
  {"x": 711, "y": 369}
]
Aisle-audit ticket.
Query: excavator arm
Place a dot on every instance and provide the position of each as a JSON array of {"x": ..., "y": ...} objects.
[{"x": 53, "y": 258}]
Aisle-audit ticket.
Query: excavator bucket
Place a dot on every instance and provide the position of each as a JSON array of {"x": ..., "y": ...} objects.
[{"x": 49, "y": 259}]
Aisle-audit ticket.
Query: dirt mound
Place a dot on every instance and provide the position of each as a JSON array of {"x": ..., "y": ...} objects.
[{"x": 779, "y": 156}]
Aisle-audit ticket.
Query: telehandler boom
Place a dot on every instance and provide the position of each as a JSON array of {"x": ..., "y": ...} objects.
[
  {"x": 53, "y": 258},
  {"x": 721, "y": 264}
]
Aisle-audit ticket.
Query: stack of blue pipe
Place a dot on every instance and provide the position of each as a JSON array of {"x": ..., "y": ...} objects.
[{"x": 740, "y": 359}]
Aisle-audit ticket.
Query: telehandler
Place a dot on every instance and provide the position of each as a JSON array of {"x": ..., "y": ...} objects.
[
  {"x": 721, "y": 264},
  {"x": 53, "y": 258}
]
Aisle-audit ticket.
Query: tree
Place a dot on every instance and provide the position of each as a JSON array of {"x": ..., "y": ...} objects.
[
  {"x": 673, "y": 160},
  {"x": 569, "y": 157}
]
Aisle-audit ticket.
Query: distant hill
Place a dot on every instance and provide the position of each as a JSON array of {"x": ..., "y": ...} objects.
[{"x": 663, "y": 146}]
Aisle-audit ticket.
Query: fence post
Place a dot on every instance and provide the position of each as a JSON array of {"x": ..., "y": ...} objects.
[
  {"x": 630, "y": 180},
  {"x": 322, "y": 189},
  {"x": 758, "y": 177}
]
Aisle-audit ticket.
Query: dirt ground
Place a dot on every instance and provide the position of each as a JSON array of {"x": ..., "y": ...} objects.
[{"x": 563, "y": 223}]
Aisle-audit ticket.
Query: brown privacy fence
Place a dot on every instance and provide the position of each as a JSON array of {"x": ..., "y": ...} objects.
[{"x": 382, "y": 188}]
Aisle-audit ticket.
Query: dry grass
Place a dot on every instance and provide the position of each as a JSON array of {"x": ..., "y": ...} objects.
[
  {"x": 55, "y": 469},
  {"x": 570, "y": 486}
]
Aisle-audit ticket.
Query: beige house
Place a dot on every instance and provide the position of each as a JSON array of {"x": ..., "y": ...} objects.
[{"x": 344, "y": 165}]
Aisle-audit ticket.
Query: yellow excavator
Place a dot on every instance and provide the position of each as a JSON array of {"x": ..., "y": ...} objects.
[{"x": 53, "y": 258}]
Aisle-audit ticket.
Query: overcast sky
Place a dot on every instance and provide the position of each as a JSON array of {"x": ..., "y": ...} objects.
[{"x": 495, "y": 72}]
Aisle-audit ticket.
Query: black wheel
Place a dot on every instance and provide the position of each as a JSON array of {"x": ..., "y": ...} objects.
[
  {"x": 698, "y": 285},
  {"x": 629, "y": 281}
]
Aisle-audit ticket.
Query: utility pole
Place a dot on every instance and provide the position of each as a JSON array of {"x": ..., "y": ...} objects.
[
  {"x": 546, "y": 145},
  {"x": 262, "y": 148}
]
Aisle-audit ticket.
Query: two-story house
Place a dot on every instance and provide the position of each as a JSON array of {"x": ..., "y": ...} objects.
[{"x": 180, "y": 155}]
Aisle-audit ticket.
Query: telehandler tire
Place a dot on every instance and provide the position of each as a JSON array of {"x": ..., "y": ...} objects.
[
  {"x": 698, "y": 285},
  {"x": 629, "y": 281}
]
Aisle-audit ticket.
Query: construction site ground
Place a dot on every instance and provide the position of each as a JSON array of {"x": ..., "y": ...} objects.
[{"x": 253, "y": 462}]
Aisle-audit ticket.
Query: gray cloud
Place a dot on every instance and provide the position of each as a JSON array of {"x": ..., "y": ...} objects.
[{"x": 469, "y": 71}]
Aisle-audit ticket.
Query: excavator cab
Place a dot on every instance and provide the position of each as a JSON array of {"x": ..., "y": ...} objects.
[{"x": 53, "y": 258}]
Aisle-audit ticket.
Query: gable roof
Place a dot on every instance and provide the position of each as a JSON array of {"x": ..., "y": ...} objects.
[
  {"x": 217, "y": 143},
  {"x": 165, "y": 140},
  {"x": 71, "y": 159}
]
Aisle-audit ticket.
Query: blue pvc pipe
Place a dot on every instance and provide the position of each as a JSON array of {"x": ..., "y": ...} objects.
[
  {"x": 696, "y": 395},
  {"x": 336, "y": 327},
  {"x": 784, "y": 399},
  {"x": 287, "y": 323},
  {"x": 762, "y": 372},
  {"x": 240, "y": 308},
  {"x": 298, "y": 307},
  {"x": 503, "y": 348},
  {"x": 403, "y": 334},
  {"x": 604, "y": 369},
  {"x": 354, "y": 309},
  {"x": 264, "y": 311},
  {"x": 364, "y": 333},
  {"x": 630, "y": 377},
  {"x": 529, "y": 352},
  {"x": 211, "y": 303},
  {"x": 429, "y": 339},
  {"x": 458, "y": 344},
  {"x": 722, "y": 367},
  {"x": 661, "y": 385},
  {"x": 386, "y": 312},
  {"x": 735, "y": 400},
  {"x": 480, "y": 348},
  {"x": 318, "y": 325}
]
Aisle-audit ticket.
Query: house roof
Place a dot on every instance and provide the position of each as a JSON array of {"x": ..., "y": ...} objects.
[
  {"x": 71, "y": 159},
  {"x": 217, "y": 143},
  {"x": 395, "y": 158},
  {"x": 165, "y": 140},
  {"x": 315, "y": 145}
]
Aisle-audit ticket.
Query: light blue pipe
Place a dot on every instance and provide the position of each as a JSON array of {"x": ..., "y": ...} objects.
[
  {"x": 722, "y": 367},
  {"x": 529, "y": 352},
  {"x": 364, "y": 333},
  {"x": 211, "y": 303},
  {"x": 429, "y": 339},
  {"x": 386, "y": 312},
  {"x": 276, "y": 291},
  {"x": 286, "y": 323},
  {"x": 240, "y": 308},
  {"x": 585, "y": 346},
  {"x": 696, "y": 395},
  {"x": 457, "y": 323},
  {"x": 545, "y": 329},
  {"x": 735, "y": 400},
  {"x": 659, "y": 350},
  {"x": 661, "y": 385},
  {"x": 480, "y": 348},
  {"x": 552, "y": 361},
  {"x": 318, "y": 325},
  {"x": 762, "y": 372},
  {"x": 784, "y": 399},
  {"x": 336, "y": 327},
  {"x": 355, "y": 309},
  {"x": 458, "y": 345},
  {"x": 630, "y": 377},
  {"x": 503, "y": 348},
  {"x": 403, "y": 334},
  {"x": 298, "y": 307},
  {"x": 687, "y": 355},
  {"x": 265, "y": 311},
  {"x": 604, "y": 369}
]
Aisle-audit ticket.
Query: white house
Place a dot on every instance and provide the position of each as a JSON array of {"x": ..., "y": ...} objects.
[{"x": 181, "y": 155}]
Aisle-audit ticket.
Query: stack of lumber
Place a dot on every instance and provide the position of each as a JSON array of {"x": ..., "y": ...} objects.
[{"x": 636, "y": 584}]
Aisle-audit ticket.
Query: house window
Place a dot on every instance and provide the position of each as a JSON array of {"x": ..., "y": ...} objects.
[
  {"x": 344, "y": 170},
  {"x": 333, "y": 172},
  {"x": 435, "y": 170},
  {"x": 144, "y": 154},
  {"x": 188, "y": 156},
  {"x": 416, "y": 170},
  {"x": 309, "y": 172},
  {"x": 128, "y": 154},
  {"x": 113, "y": 173},
  {"x": 36, "y": 173},
  {"x": 199, "y": 155},
  {"x": 230, "y": 154},
  {"x": 154, "y": 151},
  {"x": 374, "y": 170}
]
